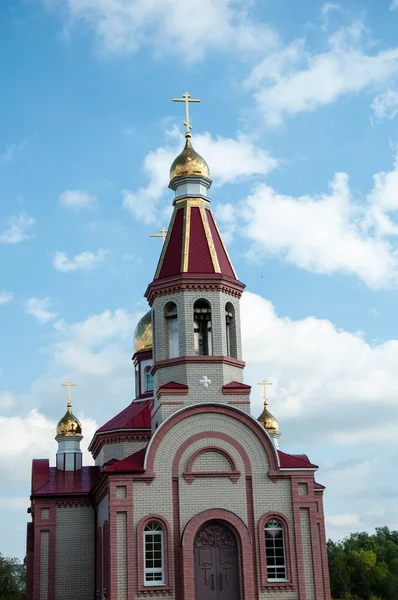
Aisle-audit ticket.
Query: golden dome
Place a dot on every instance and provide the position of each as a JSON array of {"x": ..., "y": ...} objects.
[
  {"x": 189, "y": 163},
  {"x": 69, "y": 425},
  {"x": 268, "y": 421},
  {"x": 143, "y": 333}
]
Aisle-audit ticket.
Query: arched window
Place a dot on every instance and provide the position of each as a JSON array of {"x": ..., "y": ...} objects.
[
  {"x": 230, "y": 327},
  {"x": 148, "y": 379},
  {"x": 153, "y": 554},
  {"x": 202, "y": 328},
  {"x": 275, "y": 550},
  {"x": 170, "y": 313}
]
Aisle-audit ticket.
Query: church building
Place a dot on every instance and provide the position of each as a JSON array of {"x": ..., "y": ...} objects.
[{"x": 190, "y": 497}]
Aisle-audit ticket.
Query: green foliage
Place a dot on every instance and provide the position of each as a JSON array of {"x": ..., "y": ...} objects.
[
  {"x": 12, "y": 579},
  {"x": 365, "y": 567}
]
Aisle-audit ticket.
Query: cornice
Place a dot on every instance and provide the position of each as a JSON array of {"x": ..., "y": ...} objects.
[
  {"x": 185, "y": 282},
  {"x": 171, "y": 362}
]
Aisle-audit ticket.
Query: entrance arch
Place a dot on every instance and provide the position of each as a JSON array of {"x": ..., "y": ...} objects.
[
  {"x": 217, "y": 564},
  {"x": 248, "y": 585}
]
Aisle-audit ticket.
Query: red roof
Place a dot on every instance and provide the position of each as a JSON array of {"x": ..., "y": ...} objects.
[
  {"x": 133, "y": 463},
  {"x": 173, "y": 385},
  {"x": 295, "y": 461},
  {"x": 136, "y": 416},
  {"x": 318, "y": 486},
  {"x": 201, "y": 241},
  {"x": 56, "y": 482}
]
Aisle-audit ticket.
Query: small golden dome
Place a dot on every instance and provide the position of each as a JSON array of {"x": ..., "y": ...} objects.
[
  {"x": 268, "y": 421},
  {"x": 189, "y": 163},
  {"x": 143, "y": 333},
  {"x": 69, "y": 425}
]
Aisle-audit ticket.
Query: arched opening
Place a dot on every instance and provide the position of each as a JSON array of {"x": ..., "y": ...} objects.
[
  {"x": 203, "y": 343},
  {"x": 171, "y": 316},
  {"x": 217, "y": 564},
  {"x": 230, "y": 328},
  {"x": 153, "y": 554},
  {"x": 148, "y": 379},
  {"x": 275, "y": 550}
]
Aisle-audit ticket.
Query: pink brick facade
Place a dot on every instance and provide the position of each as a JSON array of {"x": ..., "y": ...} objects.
[{"x": 183, "y": 455}]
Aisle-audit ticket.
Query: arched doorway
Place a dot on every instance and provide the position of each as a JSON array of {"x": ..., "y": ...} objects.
[{"x": 216, "y": 563}]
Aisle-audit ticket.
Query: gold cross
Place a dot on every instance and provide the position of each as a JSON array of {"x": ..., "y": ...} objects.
[
  {"x": 206, "y": 567},
  {"x": 227, "y": 566},
  {"x": 264, "y": 382},
  {"x": 162, "y": 234},
  {"x": 186, "y": 98},
  {"x": 68, "y": 384}
]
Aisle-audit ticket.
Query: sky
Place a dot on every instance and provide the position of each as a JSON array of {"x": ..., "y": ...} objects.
[{"x": 298, "y": 123}]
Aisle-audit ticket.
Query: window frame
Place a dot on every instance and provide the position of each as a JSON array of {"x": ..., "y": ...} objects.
[
  {"x": 170, "y": 313},
  {"x": 153, "y": 570},
  {"x": 203, "y": 328},
  {"x": 270, "y": 583},
  {"x": 155, "y": 587},
  {"x": 147, "y": 374}
]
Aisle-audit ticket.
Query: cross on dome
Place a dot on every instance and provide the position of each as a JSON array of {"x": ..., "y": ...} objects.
[{"x": 186, "y": 98}]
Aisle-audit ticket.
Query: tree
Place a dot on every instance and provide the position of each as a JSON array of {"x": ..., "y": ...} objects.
[
  {"x": 12, "y": 579},
  {"x": 365, "y": 567}
]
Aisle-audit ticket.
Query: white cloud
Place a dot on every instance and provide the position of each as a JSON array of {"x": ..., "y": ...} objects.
[
  {"x": 327, "y": 378},
  {"x": 177, "y": 27},
  {"x": 385, "y": 105},
  {"x": 38, "y": 308},
  {"x": 327, "y": 233},
  {"x": 6, "y": 297},
  {"x": 85, "y": 261},
  {"x": 17, "y": 232},
  {"x": 394, "y": 4},
  {"x": 230, "y": 160},
  {"x": 344, "y": 521},
  {"x": 32, "y": 436},
  {"x": 77, "y": 199},
  {"x": 291, "y": 80},
  {"x": 10, "y": 152}
]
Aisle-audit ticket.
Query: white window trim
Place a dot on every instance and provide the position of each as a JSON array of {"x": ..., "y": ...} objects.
[
  {"x": 274, "y": 579},
  {"x": 154, "y": 569}
]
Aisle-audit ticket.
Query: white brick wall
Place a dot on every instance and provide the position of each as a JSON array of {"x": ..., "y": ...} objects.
[
  {"x": 44, "y": 553},
  {"x": 307, "y": 553},
  {"x": 121, "y": 524},
  {"x": 118, "y": 450},
  {"x": 74, "y": 553}
]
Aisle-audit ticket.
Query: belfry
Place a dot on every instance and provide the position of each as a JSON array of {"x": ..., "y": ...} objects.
[{"x": 190, "y": 497}]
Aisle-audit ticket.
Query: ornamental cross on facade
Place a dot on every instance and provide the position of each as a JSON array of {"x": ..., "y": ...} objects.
[
  {"x": 205, "y": 381},
  {"x": 186, "y": 98}
]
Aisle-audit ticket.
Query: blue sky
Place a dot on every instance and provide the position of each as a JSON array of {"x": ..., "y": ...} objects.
[{"x": 298, "y": 125}]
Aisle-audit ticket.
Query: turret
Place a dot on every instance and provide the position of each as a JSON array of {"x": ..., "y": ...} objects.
[{"x": 69, "y": 436}]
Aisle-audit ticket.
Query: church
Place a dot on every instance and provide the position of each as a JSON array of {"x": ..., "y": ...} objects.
[{"x": 190, "y": 497}]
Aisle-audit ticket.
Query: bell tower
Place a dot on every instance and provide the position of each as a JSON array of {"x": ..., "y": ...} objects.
[{"x": 194, "y": 297}]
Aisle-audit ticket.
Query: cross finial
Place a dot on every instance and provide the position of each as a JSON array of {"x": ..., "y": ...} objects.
[
  {"x": 186, "y": 98},
  {"x": 162, "y": 234},
  {"x": 68, "y": 384},
  {"x": 264, "y": 383}
]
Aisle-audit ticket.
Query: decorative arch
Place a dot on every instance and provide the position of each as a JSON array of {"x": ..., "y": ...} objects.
[
  {"x": 166, "y": 587},
  {"x": 244, "y": 537},
  {"x": 275, "y": 585},
  {"x": 232, "y": 473},
  {"x": 207, "y": 407}
]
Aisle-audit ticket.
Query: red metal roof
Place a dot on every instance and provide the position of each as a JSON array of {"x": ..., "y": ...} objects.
[
  {"x": 173, "y": 385},
  {"x": 62, "y": 482},
  {"x": 136, "y": 416},
  {"x": 133, "y": 463},
  {"x": 295, "y": 461},
  {"x": 202, "y": 242}
]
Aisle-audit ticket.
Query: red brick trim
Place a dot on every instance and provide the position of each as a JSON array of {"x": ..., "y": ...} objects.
[
  {"x": 190, "y": 475},
  {"x": 105, "y": 559},
  {"x": 99, "y": 564},
  {"x": 234, "y": 388},
  {"x": 115, "y": 437},
  {"x": 189, "y": 283},
  {"x": 149, "y": 590},
  {"x": 212, "y": 408},
  {"x": 179, "y": 360},
  {"x": 243, "y": 535},
  {"x": 275, "y": 585}
]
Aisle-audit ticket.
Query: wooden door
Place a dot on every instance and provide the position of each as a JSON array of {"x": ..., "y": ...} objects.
[{"x": 216, "y": 563}]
